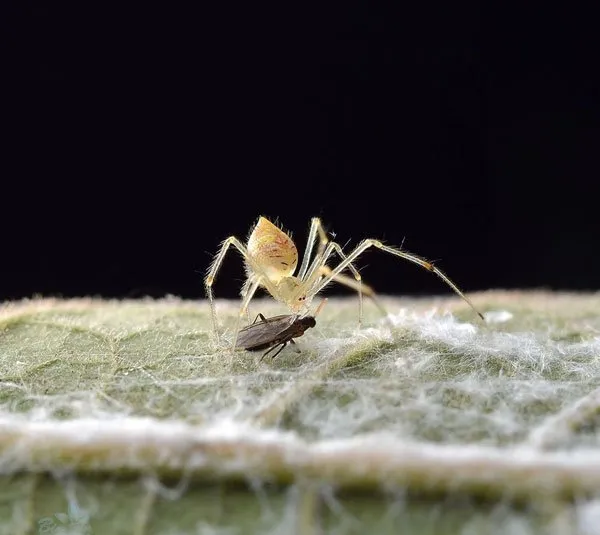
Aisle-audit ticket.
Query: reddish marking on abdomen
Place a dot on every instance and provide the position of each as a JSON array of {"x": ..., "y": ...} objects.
[{"x": 282, "y": 240}]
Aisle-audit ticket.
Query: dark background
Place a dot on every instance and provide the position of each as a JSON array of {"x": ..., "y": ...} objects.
[{"x": 139, "y": 137}]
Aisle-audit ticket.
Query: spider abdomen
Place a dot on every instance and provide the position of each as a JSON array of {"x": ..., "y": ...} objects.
[{"x": 273, "y": 250}]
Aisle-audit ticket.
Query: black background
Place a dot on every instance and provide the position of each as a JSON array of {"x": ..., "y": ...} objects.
[{"x": 139, "y": 137}]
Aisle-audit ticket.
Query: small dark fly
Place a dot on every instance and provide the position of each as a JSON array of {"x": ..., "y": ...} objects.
[
  {"x": 273, "y": 333},
  {"x": 276, "y": 332}
]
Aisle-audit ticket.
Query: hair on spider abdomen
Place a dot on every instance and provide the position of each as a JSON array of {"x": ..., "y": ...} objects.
[
  {"x": 272, "y": 332},
  {"x": 270, "y": 258}
]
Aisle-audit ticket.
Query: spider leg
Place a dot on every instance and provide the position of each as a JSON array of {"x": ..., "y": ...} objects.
[
  {"x": 365, "y": 244},
  {"x": 319, "y": 264},
  {"x": 315, "y": 227},
  {"x": 243, "y": 309},
  {"x": 356, "y": 285},
  {"x": 243, "y": 293},
  {"x": 212, "y": 273},
  {"x": 214, "y": 269}
]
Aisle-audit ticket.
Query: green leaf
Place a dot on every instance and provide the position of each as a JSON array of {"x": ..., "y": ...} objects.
[{"x": 125, "y": 417}]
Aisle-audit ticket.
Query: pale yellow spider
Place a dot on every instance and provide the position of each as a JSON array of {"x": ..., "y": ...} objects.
[{"x": 271, "y": 258}]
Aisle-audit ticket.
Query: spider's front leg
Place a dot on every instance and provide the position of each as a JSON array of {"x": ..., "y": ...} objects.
[
  {"x": 316, "y": 227},
  {"x": 212, "y": 275}
]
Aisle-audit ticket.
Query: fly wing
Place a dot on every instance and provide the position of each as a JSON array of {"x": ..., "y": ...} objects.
[{"x": 263, "y": 333}]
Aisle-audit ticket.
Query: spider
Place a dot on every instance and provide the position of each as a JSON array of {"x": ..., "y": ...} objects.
[{"x": 271, "y": 257}]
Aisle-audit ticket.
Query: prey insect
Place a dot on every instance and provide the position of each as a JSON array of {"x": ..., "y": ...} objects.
[
  {"x": 274, "y": 332},
  {"x": 271, "y": 257}
]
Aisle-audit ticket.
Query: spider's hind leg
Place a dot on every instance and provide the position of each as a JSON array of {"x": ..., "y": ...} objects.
[
  {"x": 415, "y": 259},
  {"x": 357, "y": 285}
]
